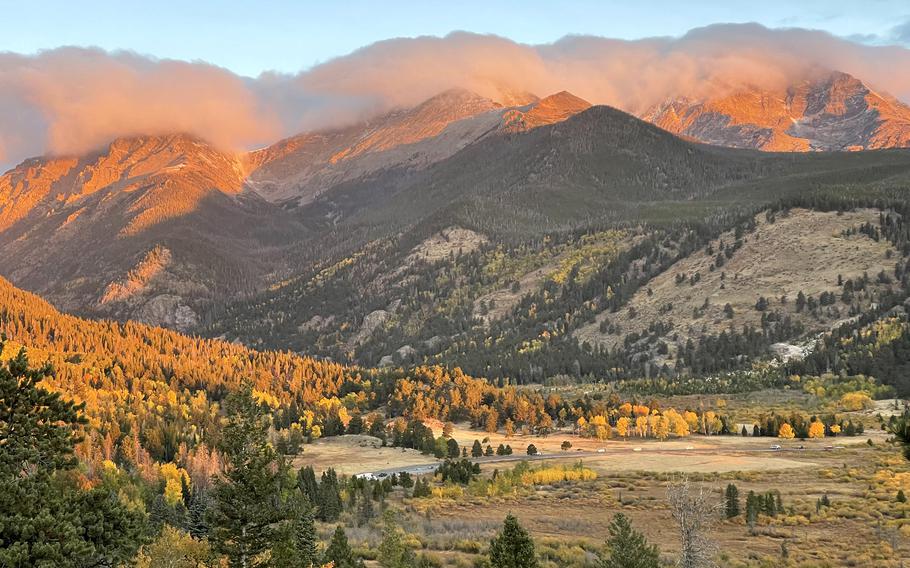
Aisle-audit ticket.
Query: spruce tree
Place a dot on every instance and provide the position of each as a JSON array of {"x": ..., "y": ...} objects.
[
  {"x": 476, "y": 449},
  {"x": 45, "y": 518},
  {"x": 421, "y": 488},
  {"x": 355, "y": 426},
  {"x": 284, "y": 552},
  {"x": 247, "y": 514},
  {"x": 329, "y": 498},
  {"x": 393, "y": 553},
  {"x": 365, "y": 511},
  {"x": 628, "y": 548},
  {"x": 753, "y": 508},
  {"x": 307, "y": 541},
  {"x": 512, "y": 547},
  {"x": 731, "y": 501},
  {"x": 899, "y": 427},
  {"x": 339, "y": 552},
  {"x": 196, "y": 523},
  {"x": 306, "y": 482}
]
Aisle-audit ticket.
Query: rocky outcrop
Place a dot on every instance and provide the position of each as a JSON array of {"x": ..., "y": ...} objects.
[{"x": 830, "y": 111}]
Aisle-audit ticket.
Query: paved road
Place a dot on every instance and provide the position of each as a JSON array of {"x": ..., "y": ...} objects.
[{"x": 430, "y": 467}]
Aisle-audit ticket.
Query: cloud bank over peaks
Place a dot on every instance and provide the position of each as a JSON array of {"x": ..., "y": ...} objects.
[{"x": 72, "y": 100}]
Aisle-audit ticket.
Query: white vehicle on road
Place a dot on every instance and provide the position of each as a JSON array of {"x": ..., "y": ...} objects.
[{"x": 776, "y": 447}]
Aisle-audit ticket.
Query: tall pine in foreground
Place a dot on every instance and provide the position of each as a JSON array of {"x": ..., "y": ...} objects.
[
  {"x": 628, "y": 548},
  {"x": 45, "y": 518},
  {"x": 512, "y": 547},
  {"x": 339, "y": 552},
  {"x": 247, "y": 516},
  {"x": 307, "y": 540}
]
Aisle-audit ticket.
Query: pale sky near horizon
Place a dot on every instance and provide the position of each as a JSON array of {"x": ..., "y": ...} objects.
[{"x": 287, "y": 36}]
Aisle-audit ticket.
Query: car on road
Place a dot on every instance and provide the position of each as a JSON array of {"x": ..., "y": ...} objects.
[
  {"x": 636, "y": 449},
  {"x": 776, "y": 447},
  {"x": 690, "y": 447},
  {"x": 601, "y": 450}
]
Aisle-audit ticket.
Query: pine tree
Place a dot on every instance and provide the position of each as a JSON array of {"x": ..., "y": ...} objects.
[
  {"x": 753, "y": 508},
  {"x": 899, "y": 427},
  {"x": 452, "y": 448},
  {"x": 307, "y": 540},
  {"x": 196, "y": 523},
  {"x": 284, "y": 552},
  {"x": 328, "y": 501},
  {"x": 306, "y": 482},
  {"x": 365, "y": 511},
  {"x": 339, "y": 552},
  {"x": 628, "y": 548},
  {"x": 476, "y": 449},
  {"x": 512, "y": 547},
  {"x": 355, "y": 426},
  {"x": 421, "y": 488},
  {"x": 769, "y": 507},
  {"x": 392, "y": 551},
  {"x": 731, "y": 501},
  {"x": 38, "y": 433},
  {"x": 247, "y": 514}
]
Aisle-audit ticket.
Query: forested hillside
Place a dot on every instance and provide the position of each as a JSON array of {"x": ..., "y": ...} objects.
[
  {"x": 157, "y": 391},
  {"x": 636, "y": 300}
]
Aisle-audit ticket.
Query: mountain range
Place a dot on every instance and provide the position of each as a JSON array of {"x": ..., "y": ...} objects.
[{"x": 316, "y": 242}]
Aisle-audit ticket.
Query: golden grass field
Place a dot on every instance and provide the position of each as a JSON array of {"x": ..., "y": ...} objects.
[{"x": 569, "y": 520}]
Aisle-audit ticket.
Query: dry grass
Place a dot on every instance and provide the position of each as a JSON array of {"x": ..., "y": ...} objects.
[{"x": 354, "y": 454}]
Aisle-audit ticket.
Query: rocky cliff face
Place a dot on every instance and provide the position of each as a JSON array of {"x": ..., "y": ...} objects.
[
  {"x": 110, "y": 232},
  {"x": 830, "y": 112}
]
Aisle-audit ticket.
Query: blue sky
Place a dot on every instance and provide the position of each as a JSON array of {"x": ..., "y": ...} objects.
[{"x": 249, "y": 36}]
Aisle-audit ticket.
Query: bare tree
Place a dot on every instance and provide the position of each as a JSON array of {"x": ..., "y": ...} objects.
[{"x": 695, "y": 510}]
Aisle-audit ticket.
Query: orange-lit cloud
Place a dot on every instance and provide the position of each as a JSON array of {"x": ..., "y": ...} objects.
[{"x": 70, "y": 100}]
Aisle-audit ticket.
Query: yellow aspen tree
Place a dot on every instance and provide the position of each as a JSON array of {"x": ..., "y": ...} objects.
[
  {"x": 786, "y": 432},
  {"x": 691, "y": 420},
  {"x": 641, "y": 426},
  {"x": 816, "y": 430},
  {"x": 661, "y": 428},
  {"x": 622, "y": 426},
  {"x": 601, "y": 427},
  {"x": 581, "y": 425}
]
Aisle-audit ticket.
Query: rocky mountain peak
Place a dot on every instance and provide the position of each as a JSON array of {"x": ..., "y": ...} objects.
[{"x": 830, "y": 110}]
